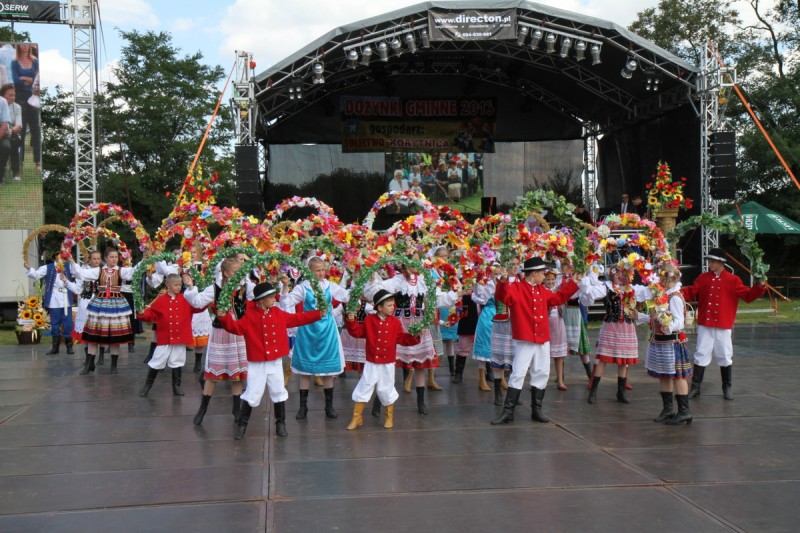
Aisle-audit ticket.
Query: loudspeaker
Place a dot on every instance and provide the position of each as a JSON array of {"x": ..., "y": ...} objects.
[
  {"x": 722, "y": 154},
  {"x": 249, "y": 197},
  {"x": 488, "y": 206},
  {"x": 722, "y": 188}
]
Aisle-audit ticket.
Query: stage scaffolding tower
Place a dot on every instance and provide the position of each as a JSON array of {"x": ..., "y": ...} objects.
[{"x": 590, "y": 134}]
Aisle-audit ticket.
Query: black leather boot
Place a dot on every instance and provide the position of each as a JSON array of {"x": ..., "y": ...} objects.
[
  {"x": 451, "y": 361},
  {"x": 621, "y": 398},
  {"x": 280, "y": 419},
  {"x": 68, "y": 344},
  {"x": 376, "y": 407},
  {"x": 669, "y": 409},
  {"x": 460, "y": 364},
  {"x": 683, "y": 412},
  {"x": 88, "y": 364},
  {"x": 150, "y": 352},
  {"x": 512, "y": 395},
  {"x": 151, "y": 377},
  {"x": 114, "y": 359},
  {"x": 330, "y": 412},
  {"x": 303, "y": 411},
  {"x": 498, "y": 392},
  {"x": 54, "y": 348},
  {"x": 237, "y": 407},
  {"x": 727, "y": 378},
  {"x": 697, "y": 380},
  {"x": 244, "y": 418},
  {"x": 101, "y": 356},
  {"x": 588, "y": 368},
  {"x": 198, "y": 357},
  {"x": 198, "y": 418},
  {"x": 421, "y": 407},
  {"x": 593, "y": 389},
  {"x": 537, "y": 396},
  {"x": 176, "y": 381}
]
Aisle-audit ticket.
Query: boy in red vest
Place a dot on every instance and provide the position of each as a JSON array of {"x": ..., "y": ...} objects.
[
  {"x": 383, "y": 332},
  {"x": 717, "y": 293},
  {"x": 529, "y": 301},
  {"x": 173, "y": 317},
  {"x": 263, "y": 327}
]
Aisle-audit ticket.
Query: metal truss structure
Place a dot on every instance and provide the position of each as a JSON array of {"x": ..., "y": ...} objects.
[{"x": 243, "y": 101}]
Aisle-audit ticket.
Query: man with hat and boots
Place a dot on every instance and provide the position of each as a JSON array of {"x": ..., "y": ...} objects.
[
  {"x": 717, "y": 293},
  {"x": 529, "y": 301},
  {"x": 263, "y": 327},
  {"x": 57, "y": 300}
]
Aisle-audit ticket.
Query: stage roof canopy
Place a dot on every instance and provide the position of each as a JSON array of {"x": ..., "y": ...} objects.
[{"x": 541, "y": 95}]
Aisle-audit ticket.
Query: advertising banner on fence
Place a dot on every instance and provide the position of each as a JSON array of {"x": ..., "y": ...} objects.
[
  {"x": 472, "y": 25},
  {"x": 29, "y": 11},
  {"x": 386, "y": 124}
]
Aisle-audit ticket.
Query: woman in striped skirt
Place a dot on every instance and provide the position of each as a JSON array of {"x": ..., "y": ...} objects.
[
  {"x": 616, "y": 343},
  {"x": 502, "y": 343},
  {"x": 558, "y": 333},
  {"x": 667, "y": 357},
  {"x": 483, "y": 295}
]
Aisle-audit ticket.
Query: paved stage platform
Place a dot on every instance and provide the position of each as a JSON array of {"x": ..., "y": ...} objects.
[{"x": 85, "y": 453}]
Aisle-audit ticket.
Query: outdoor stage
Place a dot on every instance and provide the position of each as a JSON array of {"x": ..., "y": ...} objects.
[{"x": 87, "y": 454}]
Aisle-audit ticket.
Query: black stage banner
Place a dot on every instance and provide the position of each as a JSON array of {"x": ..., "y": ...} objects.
[
  {"x": 472, "y": 25},
  {"x": 28, "y": 10}
]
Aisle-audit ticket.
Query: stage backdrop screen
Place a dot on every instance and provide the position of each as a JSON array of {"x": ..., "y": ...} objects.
[
  {"x": 390, "y": 124},
  {"x": 21, "y": 204}
]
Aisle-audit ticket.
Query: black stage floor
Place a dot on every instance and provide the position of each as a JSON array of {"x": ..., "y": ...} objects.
[{"x": 85, "y": 453}]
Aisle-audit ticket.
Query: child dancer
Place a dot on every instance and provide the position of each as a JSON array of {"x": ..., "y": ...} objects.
[
  {"x": 85, "y": 290},
  {"x": 383, "y": 332},
  {"x": 264, "y": 329},
  {"x": 667, "y": 358},
  {"x": 483, "y": 295},
  {"x": 173, "y": 315},
  {"x": 108, "y": 313},
  {"x": 226, "y": 358},
  {"x": 558, "y": 333},
  {"x": 575, "y": 327},
  {"x": 318, "y": 347},
  {"x": 502, "y": 343}
]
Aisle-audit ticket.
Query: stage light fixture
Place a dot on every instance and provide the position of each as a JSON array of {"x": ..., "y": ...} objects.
[
  {"x": 536, "y": 38},
  {"x": 295, "y": 89},
  {"x": 317, "y": 73},
  {"x": 630, "y": 66},
  {"x": 410, "y": 44},
  {"x": 352, "y": 59},
  {"x": 580, "y": 50},
  {"x": 397, "y": 46},
  {"x": 522, "y": 34},
  {"x": 426, "y": 40},
  {"x": 595, "y": 51},
  {"x": 652, "y": 83},
  {"x": 366, "y": 55},
  {"x": 566, "y": 44},
  {"x": 550, "y": 43},
  {"x": 383, "y": 51}
]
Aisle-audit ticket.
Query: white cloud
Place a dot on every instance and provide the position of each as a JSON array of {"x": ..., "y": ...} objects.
[
  {"x": 55, "y": 69},
  {"x": 184, "y": 24},
  {"x": 272, "y": 31},
  {"x": 135, "y": 13}
]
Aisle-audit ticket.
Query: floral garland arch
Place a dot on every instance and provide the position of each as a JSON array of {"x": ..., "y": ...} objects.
[
  {"x": 224, "y": 253},
  {"x": 325, "y": 220},
  {"x": 145, "y": 266},
  {"x": 43, "y": 230},
  {"x": 82, "y": 218},
  {"x": 744, "y": 238},
  {"x": 265, "y": 260},
  {"x": 366, "y": 274},
  {"x": 78, "y": 235},
  {"x": 393, "y": 198}
]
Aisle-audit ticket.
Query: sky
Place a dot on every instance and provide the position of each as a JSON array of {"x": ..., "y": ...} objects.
[{"x": 271, "y": 30}]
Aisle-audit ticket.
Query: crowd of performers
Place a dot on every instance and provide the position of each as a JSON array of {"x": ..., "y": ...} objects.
[{"x": 526, "y": 314}]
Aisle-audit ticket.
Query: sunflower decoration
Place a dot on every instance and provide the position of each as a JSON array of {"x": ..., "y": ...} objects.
[
  {"x": 38, "y": 317},
  {"x": 26, "y": 314},
  {"x": 38, "y": 323},
  {"x": 33, "y": 302},
  {"x": 31, "y": 316}
]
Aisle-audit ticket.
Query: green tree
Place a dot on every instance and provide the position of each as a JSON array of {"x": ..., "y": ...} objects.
[{"x": 153, "y": 123}]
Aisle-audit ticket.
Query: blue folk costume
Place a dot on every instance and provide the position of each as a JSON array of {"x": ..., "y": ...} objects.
[{"x": 58, "y": 301}]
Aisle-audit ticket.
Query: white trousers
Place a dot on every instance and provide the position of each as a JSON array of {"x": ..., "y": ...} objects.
[
  {"x": 534, "y": 356},
  {"x": 378, "y": 378},
  {"x": 263, "y": 374},
  {"x": 716, "y": 342},
  {"x": 171, "y": 355}
]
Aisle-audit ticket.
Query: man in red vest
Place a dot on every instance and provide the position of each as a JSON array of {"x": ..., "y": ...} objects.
[{"x": 717, "y": 293}]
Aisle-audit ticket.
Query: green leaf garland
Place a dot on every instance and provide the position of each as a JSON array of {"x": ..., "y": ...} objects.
[
  {"x": 141, "y": 270},
  {"x": 366, "y": 274},
  {"x": 226, "y": 296},
  {"x": 744, "y": 238},
  {"x": 224, "y": 254}
]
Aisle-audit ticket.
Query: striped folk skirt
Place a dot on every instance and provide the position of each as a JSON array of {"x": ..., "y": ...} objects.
[
  {"x": 617, "y": 343},
  {"x": 668, "y": 359},
  {"x": 502, "y": 345},
  {"x": 226, "y": 357},
  {"x": 108, "y": 321}
]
